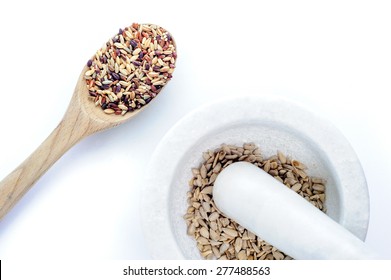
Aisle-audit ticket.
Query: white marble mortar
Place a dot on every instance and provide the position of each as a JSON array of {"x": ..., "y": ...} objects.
[{"x": 272, "y": 124}]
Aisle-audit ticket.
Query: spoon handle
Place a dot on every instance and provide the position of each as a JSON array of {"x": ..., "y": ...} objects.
[{"x": 74, "y": 126}]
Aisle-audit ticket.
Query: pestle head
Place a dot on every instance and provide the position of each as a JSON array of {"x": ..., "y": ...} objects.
[{"x": 281, "y": 217}]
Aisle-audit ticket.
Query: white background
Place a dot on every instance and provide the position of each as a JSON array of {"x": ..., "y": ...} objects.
[{"x": 331, "y": 56}]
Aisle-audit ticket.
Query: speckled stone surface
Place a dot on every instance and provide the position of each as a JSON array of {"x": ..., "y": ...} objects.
[{"x": 272, "y": 124}]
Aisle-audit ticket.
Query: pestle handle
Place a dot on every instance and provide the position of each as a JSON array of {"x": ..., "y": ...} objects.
[{"x": 283, "y": 218}]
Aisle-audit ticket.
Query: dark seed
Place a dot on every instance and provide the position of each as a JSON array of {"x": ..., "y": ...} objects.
[
  {"x": 115, "y": 75},
  {"x": 89, "y": 63},
  {"x": 133, "y": 43}
]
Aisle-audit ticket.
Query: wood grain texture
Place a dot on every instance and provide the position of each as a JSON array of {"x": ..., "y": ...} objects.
[{"x": 81, "y": 119}]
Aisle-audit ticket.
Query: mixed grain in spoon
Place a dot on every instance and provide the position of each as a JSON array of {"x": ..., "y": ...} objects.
[{"x": 131, "y": 68}]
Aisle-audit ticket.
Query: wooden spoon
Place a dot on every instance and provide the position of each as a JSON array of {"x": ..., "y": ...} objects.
[{"x": 81, "y": 119}]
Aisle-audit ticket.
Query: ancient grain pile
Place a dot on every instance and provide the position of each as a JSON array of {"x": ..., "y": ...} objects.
[
  {"x": 217, "y": 236},
  {"x": 131, "y": 68}
]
